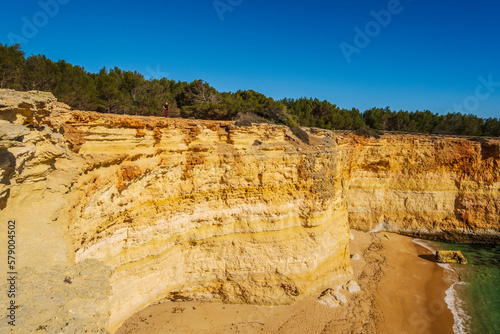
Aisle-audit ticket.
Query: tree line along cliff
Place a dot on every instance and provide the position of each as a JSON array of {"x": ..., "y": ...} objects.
[{"x": 127, "y": 92}]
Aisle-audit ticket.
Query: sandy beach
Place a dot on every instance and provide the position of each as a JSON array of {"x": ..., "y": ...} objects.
[{"x": 402, "y": 291}]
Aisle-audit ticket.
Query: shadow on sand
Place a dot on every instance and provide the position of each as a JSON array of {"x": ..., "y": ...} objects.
[{"x": 428, "y": 257}]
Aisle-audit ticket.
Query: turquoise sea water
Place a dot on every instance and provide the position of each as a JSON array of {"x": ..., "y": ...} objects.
[{"x": 481, "y": 293}]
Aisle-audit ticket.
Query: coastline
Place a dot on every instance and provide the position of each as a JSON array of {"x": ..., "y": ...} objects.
[
  {"x": 453, "y": 301},
  {"x": 413, "y": 291},
  {"x": 402, "y": 291}
]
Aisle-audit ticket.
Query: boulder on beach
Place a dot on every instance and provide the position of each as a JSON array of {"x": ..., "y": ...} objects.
[
  {"x": 332, "y": 298},
  {"x": 443, "y": 256},
  {"x": 352, "y": 287},
  {"x": 355, "y": 257}
]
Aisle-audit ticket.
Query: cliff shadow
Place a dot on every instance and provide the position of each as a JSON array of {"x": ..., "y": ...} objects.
[
  {"x": 428, "y": 257},
  {"x": 7, "y": 167},
  {"x": 490, "y": 150}
]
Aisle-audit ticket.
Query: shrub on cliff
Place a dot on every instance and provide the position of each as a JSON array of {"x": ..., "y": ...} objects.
[
  {"x": 246, "y": 119},
  {"x": 368, "y": 133},
  {"x": 323, "y": 114}
]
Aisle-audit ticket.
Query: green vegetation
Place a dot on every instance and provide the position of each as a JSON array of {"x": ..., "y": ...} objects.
[{"x": 126, "y": 92}]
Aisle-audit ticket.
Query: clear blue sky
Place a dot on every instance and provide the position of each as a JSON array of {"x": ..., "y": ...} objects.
[{"x": 429, "y": 54}]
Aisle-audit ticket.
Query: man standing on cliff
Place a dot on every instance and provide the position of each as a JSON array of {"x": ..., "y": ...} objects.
[{"x": 166, "y": 109}]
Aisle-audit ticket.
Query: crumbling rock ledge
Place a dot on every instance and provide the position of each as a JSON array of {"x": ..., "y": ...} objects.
[{"x": 179, "y": 209}]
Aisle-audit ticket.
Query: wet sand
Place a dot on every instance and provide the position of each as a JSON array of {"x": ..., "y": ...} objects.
[{"x": 402, "y": 291}]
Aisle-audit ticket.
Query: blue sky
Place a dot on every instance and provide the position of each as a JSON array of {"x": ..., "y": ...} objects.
[{"x": 440, "y": 55}]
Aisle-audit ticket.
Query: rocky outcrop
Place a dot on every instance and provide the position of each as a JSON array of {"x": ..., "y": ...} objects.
[
  {"x": 27, "y": 108},
  {"x": 443, "y": 256},
  {"x": 205, "y": 210},
  {"x": 172, "y": 209}
]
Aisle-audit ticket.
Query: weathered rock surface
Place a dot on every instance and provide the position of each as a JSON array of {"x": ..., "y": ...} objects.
[
  {"x": 176, "y": 209},
  {"x": 352, "y": 287},
  {"x": 62, "y": 299},
  {"x": 27, "y": 107},
  {"x": 432, "y": 187},
  {"x": 179, "y": 209},
  {"x": 443, "y": 256},
  {"x": 332, "y": 298}
]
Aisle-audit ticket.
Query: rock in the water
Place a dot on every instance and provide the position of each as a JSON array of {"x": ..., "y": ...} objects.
[{"x": 450, "y": 257}]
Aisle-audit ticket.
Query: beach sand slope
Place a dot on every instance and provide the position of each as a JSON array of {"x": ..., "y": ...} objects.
[{"x": 402, "y": 291}]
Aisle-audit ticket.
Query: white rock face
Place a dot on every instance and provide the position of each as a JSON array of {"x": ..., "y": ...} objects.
[
  {"x": 332, "y": 298},
  {"x": 352, "y": 287}
]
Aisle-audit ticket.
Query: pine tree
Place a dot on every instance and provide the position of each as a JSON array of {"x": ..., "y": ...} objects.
[{"x": 11, "y": 66}]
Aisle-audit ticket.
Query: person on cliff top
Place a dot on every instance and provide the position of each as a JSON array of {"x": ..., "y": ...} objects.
[{"x": 166, "y": 109}]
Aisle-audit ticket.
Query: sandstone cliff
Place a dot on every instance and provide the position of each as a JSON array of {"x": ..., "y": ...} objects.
[
  {"x": 174, "y": 209},
  {"x": 166, "y": 209},
  {"x": 433, "y": 187}
]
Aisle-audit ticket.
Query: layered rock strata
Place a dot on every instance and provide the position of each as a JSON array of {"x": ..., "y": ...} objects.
[
  {"x": 177, "y": 209},
  {"x": 171, "y": 209},
  {"x": 440, "y": 188}
]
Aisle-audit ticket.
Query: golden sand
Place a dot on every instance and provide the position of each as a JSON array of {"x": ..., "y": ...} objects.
[{"x": 402, "y": 291}]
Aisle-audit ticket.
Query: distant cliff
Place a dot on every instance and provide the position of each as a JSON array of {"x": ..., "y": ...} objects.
[
  {"x": 158, "y": 209},
  {"x": 440, "y": 188}
]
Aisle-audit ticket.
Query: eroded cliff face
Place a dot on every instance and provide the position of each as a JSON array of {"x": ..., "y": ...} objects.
[
  {"x": 175, "y": 209},
  {"x": 167, "y": 209},
  {"x": 433, "y": 187},
  {"x": 206, "y": 210}
]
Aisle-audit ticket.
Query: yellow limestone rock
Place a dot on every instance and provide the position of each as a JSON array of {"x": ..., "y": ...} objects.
[
  {"x": 435, "y": 187},
  {"x": 156, "y": 209},
  {"x": 174, "y": 209}
]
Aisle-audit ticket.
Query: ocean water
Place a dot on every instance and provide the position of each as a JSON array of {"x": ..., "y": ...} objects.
[{"x": 476, "y": 299}]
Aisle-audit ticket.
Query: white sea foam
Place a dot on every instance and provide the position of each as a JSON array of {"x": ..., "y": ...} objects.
[
  {"x": 460, "y": 319},
  {"x": 446, "y": 266},
  {"x": 456, "y": 308},
  {"x": 424, "y": 244}
]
